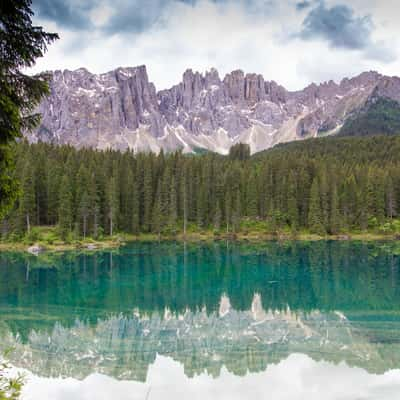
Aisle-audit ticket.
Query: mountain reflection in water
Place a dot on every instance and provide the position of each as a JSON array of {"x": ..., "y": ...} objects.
[{"x": 214, "y": 310}]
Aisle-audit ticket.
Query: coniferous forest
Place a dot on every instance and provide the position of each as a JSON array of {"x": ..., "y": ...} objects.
[{"x": 322, "y": 186}]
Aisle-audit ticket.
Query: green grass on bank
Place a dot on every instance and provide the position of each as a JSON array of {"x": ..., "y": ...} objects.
[{"x": 48, "y": 237}]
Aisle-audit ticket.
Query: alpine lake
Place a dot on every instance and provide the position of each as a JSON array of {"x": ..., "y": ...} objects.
[{"x": 213, "y": 320}]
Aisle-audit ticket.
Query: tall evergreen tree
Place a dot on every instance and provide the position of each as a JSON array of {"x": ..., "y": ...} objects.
[
  {"x": 315, "y": 214},
  {"x": 28, "y": 198},
  {"x": 135, "y": 208},
  {"x": 173, "y": 205},
  {"x": 84, "y": 212},
  {"x": 184, "y": 195},
  {"x": 65, "y": 210},
  {"x": 293, "y": 211},
  {"x": 147, "y": 195},
  {"x": 22, "y": 44},
  {"x": 113, "y": 203},
  {"x": 157, "y": 214},
  {"x": 335, "y": 225}
]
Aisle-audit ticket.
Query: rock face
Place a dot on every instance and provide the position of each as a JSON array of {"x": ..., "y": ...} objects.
[{"x": 121, "y": 109}]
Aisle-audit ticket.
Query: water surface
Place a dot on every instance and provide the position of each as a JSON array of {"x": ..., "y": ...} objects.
[{"x": 220, "y": 320}]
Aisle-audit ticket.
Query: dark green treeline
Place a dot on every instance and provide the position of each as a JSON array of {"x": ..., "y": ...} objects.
[{"x": 328, "y": 185}]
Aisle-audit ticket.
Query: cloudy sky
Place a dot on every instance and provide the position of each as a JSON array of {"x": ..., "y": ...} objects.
[{"x": 293, "y": 42}]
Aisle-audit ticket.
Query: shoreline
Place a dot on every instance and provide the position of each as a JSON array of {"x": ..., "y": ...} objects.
[{"x": 123, "y": 239}]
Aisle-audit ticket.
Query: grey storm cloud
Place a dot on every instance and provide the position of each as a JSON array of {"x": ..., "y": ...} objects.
[
  {"x": 342, "y": 28},
  {"x": 132, "y": 16},
  {"x": 128, "y": 15},
  {"x": 302, "y": 5},
  {"x": 339, "y": 26},
  {"x": 69, "y": 14}
]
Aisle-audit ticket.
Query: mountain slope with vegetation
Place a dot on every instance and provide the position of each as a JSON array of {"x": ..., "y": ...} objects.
[{"x": 379, "y": 117}]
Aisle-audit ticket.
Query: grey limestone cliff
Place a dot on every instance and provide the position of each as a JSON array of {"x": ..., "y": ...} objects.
[{"x": 122, "y": 109}]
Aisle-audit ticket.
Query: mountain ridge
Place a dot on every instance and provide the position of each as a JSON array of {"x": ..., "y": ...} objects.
[{"x": 121, "y": 109}]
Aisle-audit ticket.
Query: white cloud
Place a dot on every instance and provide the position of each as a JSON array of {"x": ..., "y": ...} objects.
[
  {"x": 226, "y": 35},
  {"x": 297, "y": 377}
]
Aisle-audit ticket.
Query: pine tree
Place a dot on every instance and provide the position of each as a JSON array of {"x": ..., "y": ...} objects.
[
  {"x": 184, "y": 197},
  {"x": 335, "y": 224},
  {"x": 82, "y": 199},
  {"x": 349, "y": 201},
  {"x": 28, "y": 198},
  {"x": 135, "y": 207},
  {"x": 217, "y": 217},
  {"x": 315, "y": 215},
  {"x": 84, "y": 209},
  {"x": 173, "y": 205},
  {"x": 147, "y": 195},
  {"x": 293, "y": 211},
  {"x": 236, "y": 215},
  {"x": 157, "y": 214},
  {"x": 113, "y": 203},
  {"x": 21, "y": 44},
  {"x": 252, "y": 196},
  {"x": 94, "y": 205},
  {"x": 228, "y": 210},
  {"x": 391, "y": 201},
  {"x": 324, "y": 195},
  {"x": 200, "y": 202},
  {"x": 65, "y": 210},
  {"x": 52, "y": 192}
]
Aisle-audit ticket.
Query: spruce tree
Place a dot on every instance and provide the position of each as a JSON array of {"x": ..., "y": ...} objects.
[
  {"x": 22, "y": 44},
  {"x": 335, "y": 224},
  {"x": 84, "y": 210},
  {"x": 65, "y": 210},
  {"x": 315, "y": 214},
  {"x": 391, "y": 200},
  {"x": 217, "y": 217},
  {"x": 94, "y": 206},
  {"x": 293, "y": 211},
  {"x": 252, "y": 196},
  {"x": 324, "y": 195},
  {"x": 184, "y": 196},
  {"x": 237, "y": 213},
  {"x": 28, "y": 198},
  {"x": 147, "y": 195},
  {"x": 157, "y": 223},
  {"x": 113, "y": 203},
  {"x": 135, "y": 209},
  {"x": 173, "y": 205},
  {"x": 52, "y": 192}
]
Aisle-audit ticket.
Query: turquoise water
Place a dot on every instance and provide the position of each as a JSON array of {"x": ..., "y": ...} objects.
[{"x": 205, "y": 318}]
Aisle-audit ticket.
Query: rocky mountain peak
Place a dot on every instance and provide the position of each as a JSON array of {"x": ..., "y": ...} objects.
[{"x": 122, "y": 109}]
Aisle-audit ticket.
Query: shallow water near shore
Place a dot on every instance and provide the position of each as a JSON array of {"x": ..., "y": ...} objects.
[{"x": 219, "y": 320}]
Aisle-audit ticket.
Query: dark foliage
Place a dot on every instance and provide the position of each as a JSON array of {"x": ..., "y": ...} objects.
[
  {"x": 21, "y": 44},
  {"x": 325, "y": 185}
]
